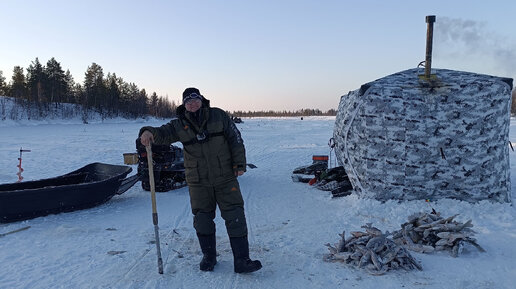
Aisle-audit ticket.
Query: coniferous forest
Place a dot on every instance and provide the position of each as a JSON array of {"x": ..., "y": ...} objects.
[{"x": 41, "y": 90}]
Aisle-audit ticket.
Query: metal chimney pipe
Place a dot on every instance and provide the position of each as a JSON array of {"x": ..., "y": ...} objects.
[{"x": 429, "y": 38}]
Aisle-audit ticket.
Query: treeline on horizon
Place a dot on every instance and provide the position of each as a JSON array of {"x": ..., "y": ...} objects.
[
  {"x": 40, "y": 90},
  {"x": 301, "y": 112}
]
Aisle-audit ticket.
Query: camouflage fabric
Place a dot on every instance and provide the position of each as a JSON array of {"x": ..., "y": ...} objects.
[{"x": 402, "y": 137}]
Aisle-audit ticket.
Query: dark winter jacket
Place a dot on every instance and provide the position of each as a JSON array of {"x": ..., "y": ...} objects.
[{"x": 209, "y": 161}]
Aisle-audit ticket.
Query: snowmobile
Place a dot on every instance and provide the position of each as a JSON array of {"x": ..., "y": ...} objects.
[
  {"x": 168, "y": 167},
  {"x": 236, "y": 119}
]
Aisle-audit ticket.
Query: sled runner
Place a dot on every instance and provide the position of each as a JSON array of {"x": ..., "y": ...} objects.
[{"x": 86, "y": 187}]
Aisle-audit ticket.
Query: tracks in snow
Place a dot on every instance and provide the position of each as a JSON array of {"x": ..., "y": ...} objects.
[{"x": 142, "y": 264}]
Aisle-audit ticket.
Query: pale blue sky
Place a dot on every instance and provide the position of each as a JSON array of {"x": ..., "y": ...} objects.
[{"x": 257, "y": 55}]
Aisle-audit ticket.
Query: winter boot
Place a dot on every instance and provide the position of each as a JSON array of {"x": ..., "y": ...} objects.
[
  {"x": 242, "y": 263},
  {"x": 209, "y": 252}
]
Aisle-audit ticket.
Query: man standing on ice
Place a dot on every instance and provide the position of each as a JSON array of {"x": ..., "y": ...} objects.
[{"x": 214, "y": 156}]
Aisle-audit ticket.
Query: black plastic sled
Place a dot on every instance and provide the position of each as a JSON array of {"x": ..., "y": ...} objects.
[{"x": 84, "y": 188}]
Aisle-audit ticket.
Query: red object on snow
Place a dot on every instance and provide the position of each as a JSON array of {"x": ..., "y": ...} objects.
[{"x": 320, "y": 158}]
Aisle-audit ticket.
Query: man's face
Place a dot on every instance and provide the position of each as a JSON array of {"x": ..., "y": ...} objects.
[{"x": 193, "y": 105}]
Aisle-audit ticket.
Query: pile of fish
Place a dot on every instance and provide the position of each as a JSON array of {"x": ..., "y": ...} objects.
[
  {"x": 371, "y": 250},
  {"x": 425, "y": 233}
]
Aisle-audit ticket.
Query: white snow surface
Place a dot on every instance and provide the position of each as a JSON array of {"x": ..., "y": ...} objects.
[{"x": 288, "y": 222}]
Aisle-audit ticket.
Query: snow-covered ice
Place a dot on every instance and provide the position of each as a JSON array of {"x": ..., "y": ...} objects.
[{"x": 110, "y": 246}]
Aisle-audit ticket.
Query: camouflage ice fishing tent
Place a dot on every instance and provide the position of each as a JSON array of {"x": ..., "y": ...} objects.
[{"x": 403, "y": 137}]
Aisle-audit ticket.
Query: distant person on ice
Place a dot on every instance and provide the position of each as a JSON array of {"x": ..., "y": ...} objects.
[{"x": 214, "y": 155}]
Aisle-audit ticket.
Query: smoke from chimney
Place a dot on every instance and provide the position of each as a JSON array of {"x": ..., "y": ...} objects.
[{"x": 472, "y": 46}]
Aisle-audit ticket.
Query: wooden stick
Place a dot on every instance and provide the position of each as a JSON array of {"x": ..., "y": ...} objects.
[{"x": 154, "y": 209}]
